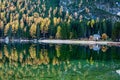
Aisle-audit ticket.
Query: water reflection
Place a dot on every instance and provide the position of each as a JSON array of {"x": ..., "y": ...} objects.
[{"x": 58, "y": 62}]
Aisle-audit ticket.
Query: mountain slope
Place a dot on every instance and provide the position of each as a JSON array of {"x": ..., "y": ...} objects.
[{"x": 92, "y": 8}]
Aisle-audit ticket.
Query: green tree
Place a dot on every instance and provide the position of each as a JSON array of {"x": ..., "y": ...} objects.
[
  {"x": 116, "y": 32},
  {"x": 65, "y": 31},
  {"x": 38, "y": 31}
]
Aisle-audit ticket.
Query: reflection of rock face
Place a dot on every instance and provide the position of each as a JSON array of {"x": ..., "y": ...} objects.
[
  {"x": 118, "y": 71},
  {"x": 96, "y": 47}
]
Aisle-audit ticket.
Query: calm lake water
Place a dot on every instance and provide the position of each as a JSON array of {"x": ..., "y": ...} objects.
[{"x": 59, "y": 62}]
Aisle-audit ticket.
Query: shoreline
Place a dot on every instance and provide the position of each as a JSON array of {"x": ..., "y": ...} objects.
[
  {"x": 79, "y": 42},
  {"x": 59, "y": 41}
]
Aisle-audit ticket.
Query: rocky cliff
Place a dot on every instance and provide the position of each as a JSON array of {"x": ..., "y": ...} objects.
[{"x": 92, "y": 8}]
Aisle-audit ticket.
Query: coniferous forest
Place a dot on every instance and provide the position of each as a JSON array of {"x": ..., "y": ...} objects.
[{"x": 36, "y": 19}]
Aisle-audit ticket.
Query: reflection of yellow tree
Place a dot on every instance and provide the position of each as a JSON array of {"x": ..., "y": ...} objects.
[
  {"x": 91, "y": 61},
  {"x": 32, "y": 51},
  {"x": 44, "y": 56},
  {"x": 57, "y": 47},
  {"x": 6, "y": 52},
  {"x": 21, "y": 57},
  {"x": 104, "y": 48},
  {"x": 14, "y": 55},
  {"x": 55, "y": 61}
]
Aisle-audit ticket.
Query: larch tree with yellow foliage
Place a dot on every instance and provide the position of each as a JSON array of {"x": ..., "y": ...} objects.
[
  {"x": 33, "y": 30},
  {"x": 58, "y": 34},
  {"x": 44, "y": 26}
]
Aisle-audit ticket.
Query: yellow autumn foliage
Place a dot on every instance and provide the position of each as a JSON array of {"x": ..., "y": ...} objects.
[
  {"x": 2, "y": 15},
  {"x": 6, "y": 52},
  {"x": 92, "y": 23},
  {"x": 22, "y": 10},
  {"x": 56, "y": 20},
  {"x": 88, "y": 23},
  {"x": 21, "y": 24},
  {"x": 91, "y": 61},
  {"x": 44, "y": 56},
  {"x": 14, "y": 55},
  {"x": 58, "y": 34},
  {"x": 45, "y": 25},
  {"x": 16, "y": 17},
  {"x": 38, "y": 20},
  {"x": 1, "y": 24},
  {"x": 12, "y": 8},
  {"x": 1, "y": 55},
  {"x": 36, "y": 15},
  {"x": 2, "y": 6},
  {"x": 104, "y": 48},
  {"x": 11, "y": 17},
  {"x": 32, "y": 52},
  {"x": 21, "y": 57},
  {"x": 33, "y": 30},
  {"x": 55, "y": 11},
  {"x": 15, "y": 25},
  {"x": 57, "y": 47},
  {"x": 30, "y": 19},
  {"x": 104, "y": 36},
  {"x": 6, "y": 28},
  {"x": 55, "y": 61}
]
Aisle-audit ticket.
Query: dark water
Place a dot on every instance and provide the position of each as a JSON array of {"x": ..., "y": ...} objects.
[{"x": 58, "y": 62}]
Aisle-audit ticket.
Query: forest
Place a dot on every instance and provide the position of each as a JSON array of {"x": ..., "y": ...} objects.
[{"x": 36, "y": 19}]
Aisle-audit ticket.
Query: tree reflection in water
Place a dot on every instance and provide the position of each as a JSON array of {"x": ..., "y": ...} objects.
[{"x": 48, "y": 61}]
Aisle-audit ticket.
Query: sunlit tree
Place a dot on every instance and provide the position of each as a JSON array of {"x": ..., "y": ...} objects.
[
  {"x": 33, "y": 30},
  {"x": 58, "y": 34},
  {"x": 104, "y": 36},
  {"x": 45, "y": 25}
]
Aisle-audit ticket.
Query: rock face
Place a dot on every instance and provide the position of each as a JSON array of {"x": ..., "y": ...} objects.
[{"x": 92, "y": 8}]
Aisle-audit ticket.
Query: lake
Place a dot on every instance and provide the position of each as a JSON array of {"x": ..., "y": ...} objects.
[{"x": 27, "y": 61}]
